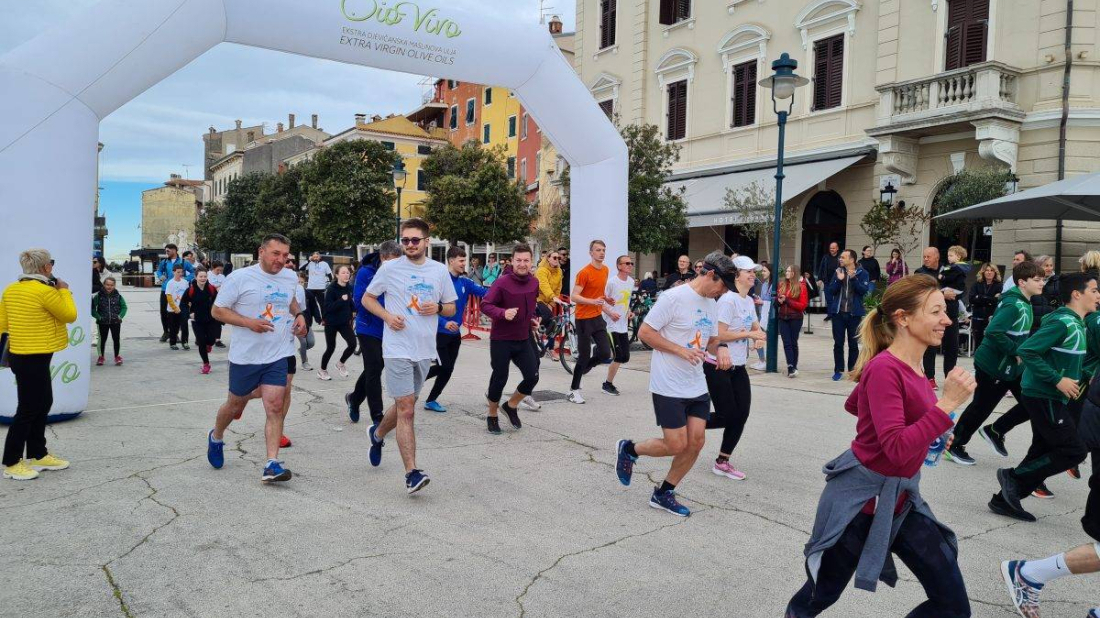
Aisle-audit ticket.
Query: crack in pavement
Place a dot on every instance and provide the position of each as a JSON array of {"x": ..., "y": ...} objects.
[
  {"x": 117, "y": 591},
  {"x": 317, "y": 571},
  {"x": 541, "y": 574},
  {"x": 1016, "y": 523}
]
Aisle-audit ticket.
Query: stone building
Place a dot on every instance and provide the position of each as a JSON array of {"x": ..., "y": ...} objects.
[{"x": 168, "y": 213}]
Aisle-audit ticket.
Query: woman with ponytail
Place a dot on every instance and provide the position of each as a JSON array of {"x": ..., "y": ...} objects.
[{"x": 871, "y": 506}]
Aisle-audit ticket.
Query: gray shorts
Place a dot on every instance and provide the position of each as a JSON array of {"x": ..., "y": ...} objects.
[{"x": 405, "y": 377}]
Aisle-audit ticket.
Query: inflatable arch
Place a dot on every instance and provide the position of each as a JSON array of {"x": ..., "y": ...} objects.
[{"x": 59, "y": 86}]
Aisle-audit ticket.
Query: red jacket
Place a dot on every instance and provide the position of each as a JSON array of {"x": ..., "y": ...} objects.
[{"x": 794, "y": 308}]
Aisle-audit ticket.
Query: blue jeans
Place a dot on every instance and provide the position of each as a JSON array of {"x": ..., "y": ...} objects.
[
  {"x": 845, "y": 326},
  {"x": 789, "y": 331},
  {"x": 920, "y": 546}
]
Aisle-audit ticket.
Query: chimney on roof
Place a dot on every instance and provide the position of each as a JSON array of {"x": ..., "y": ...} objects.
[
  {"x": 279, "y": 127},
  {"x": 555, "y": 25},
  {"x": 291, "y": 121},
  {"x": 174, "y": 177},
  {"x": 375, "y": 118},
  {"x": 360, "y": 119},
  {"x": 314, "y": 121},
  {"x": 213, "y": 130},
  {"x": 238, "y": 124}
]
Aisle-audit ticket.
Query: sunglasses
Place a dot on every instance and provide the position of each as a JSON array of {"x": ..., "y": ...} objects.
[
  {"x": 411, "y": 241},
  {"x": 628, "y": 263}
]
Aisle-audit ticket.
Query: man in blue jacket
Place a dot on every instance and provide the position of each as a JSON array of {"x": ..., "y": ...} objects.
[
  {"x": 164, "y": 275},
  {"x": 848, "y": 284},
  {"x": 368, "y": 330},
  {"x": 448, "y": 339}
]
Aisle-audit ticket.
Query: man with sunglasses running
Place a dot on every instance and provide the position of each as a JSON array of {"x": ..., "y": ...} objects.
[
  {"x": 619, "y": 288},
  {"x": 417, "y": 290}
]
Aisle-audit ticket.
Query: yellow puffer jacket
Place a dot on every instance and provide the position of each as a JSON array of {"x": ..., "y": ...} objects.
[
  {"x": 34, "y": 315},
  {"x": 549, "y": 282}
]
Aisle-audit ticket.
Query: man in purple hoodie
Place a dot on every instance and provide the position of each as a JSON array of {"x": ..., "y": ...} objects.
[{"x": 510, "y": 304}]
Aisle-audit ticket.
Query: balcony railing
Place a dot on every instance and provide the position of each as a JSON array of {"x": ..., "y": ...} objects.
[{"x": 986, "y": 86}]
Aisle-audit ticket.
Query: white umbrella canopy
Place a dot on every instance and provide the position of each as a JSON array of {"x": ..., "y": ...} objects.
[{"x": 1072, "y": 199}]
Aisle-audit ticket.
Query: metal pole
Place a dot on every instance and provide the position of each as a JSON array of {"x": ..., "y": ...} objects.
[
  {"x": 773, "y": 313},
  {"x": 398, "y": 213}
]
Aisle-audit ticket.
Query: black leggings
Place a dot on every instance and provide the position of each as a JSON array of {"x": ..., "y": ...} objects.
[
  {"x": 165, "y": 324},
  {"x": 620, "y": 344},
  {"x": 177, "y": 328},
  {"x": 369, "y": 385},
  {"x": 501, "y": 354},
  {"x": 344, "y": 330},
  {"x": 1055, "y": 444},
  {"x": 921, "y": 546},
  {"x": 949, "y": 348},
  {"x": 989, "y": 393},
  {"x": 205, "y": 335},
  {"x": 732, "y": 397},
  {"x": 589, "y": 331},
  {"x": 447, "y": 346},
  {"x": 314, "y": 300},
  {"x": 1091, "y": 519},
  {"x": 115, "y": 331},
  {"x": 34, "y": 396}
]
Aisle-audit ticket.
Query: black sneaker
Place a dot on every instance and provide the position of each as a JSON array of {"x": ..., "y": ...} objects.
[
  {"x": 186, "y": 347},
  {"x": 996, "y": 442},
  {"x": 173, "y": 347},
  {"x": 219, "y": 344},
  {"x": 1010, "y": 489},
  {"x": 513, "y": 415},
  {"x": 164, "y": 338},
  {"x": 958, "y": 454},
  {"x": 353, "y": 413},
  {"x": 999, "y": 506},
  {"x": 494, "y": 425},
  {"x": 610, "y": 389}
]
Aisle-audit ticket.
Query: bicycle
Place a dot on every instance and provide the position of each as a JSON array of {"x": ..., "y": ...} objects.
[
  {"x": 562, "y": 332},
  {"x": 640, "y": 304}
]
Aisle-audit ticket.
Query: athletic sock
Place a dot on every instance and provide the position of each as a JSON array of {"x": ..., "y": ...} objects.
[
  {"x": 666, "y": 487},
  {"x": 272, "y": 461},
  {"x": 1045, "y": 570},
  {"x": 628, "y": 448},
  {"x": 721, "y": 459}
]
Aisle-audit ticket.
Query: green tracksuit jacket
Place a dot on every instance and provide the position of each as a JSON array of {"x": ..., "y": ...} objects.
[
  {"x": 1057, "y": 350},
  {"x": 1092, "y": 355},
  {"x": 1008, "y": 328}
]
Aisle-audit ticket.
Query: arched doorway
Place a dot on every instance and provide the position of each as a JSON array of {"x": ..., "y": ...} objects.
[
  {"x": 968, "y": 234},
  {"x": 824, "y": 221}
]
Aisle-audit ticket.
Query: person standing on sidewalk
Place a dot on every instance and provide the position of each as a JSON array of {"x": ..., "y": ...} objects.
[
  {"x": 198, "y": 302},
  {"x": 952, "y": 281},
  {"x": 684, "y": 273},
  {"x": 510, "y": 304},
  {"x": 682, "y": 329},
  {"x": 896, "y": 268},
  {"x": 1052, "y": 360},
  {"x": 108, "y": 310},
  {"x": 417, "y": 290},
  {"x": 871, "y": 506},
  {"x": 870, "y": 264},
  {"x": 590, "y": 295},
  {"x": 997, "y": 367},
  {"x": 448, "y": 339},
  {"x": 164, "y": 273},
  {"x": 319, "y": 275},
  {"x": 339, "y": 317},
  {"x": 620, "y": 287},
  {"x": 845, "y": 291},
  {"x": 368, "y": 332},
  {"x": 793, "y": 298},
  {"x": 984, "y": 296}
]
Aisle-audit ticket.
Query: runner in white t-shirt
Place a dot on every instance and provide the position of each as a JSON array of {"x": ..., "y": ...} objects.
[
  {"x": 682, "y": 329},
  {"x": 417, "y": 290},
  {"x": 259, "y": 303},
  {"x": 619, "y": 288},
  {"x": 174, "y": 290}
]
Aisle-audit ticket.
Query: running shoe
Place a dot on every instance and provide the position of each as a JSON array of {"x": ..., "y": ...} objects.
[
  {"x": 173, "y": 347},
  {"x": 512, "y": 413},
  {"x": 99, "y": 361},
  {"x": 284, "y": 442},
  {"x": 530, "y": 403},
  {"x": 1074, "y": 473},
  {"x": 1043, "y": 492},
  {"x": 1010, "y": 489},
  {"x": 375, "y": 446},
  {"x": 49, "y": 462},
  {"x": 307, "y": 367},
  {"x": 416, "y": 480},
  {"x": 493, "y": 424},
  {"x": 575, "y": 397},
  {"x": 164, "y": 337},
  {"x": 792, "y": 372},
  {"x": 186, "y": 347},
  {"x": 727, "y": 470},
  {"x": 219, "y": 344},
  {"x": 20, "y": 471},
  {"x": 274, "y": 472},
  {"x": 342, "y": 369},
  {"x": 118, "y": 361},
  {"x": 999, "y": 506},
  {"x": 957, "y": 453},
  {"x": 215, "y": 451},
  {"x": 205, "y": 368},
  {"x": 1024, "y": 594},
  {"x": 837, "y": 376},
  {"x": 323, "y": 375},
  {"x": 434, "y": 406},
  {"x": 610, "y": 389},
  {"x": 666, "y": 501},
  {"x": 995, "y": 441},
  {"x": 759, "y": 366},
  {"x": 1093, "y": 613},
  {"x": 353, "y": 412},
  {"x": 624, "y": 466}
]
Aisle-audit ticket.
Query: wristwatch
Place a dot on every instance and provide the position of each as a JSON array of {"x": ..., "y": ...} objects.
[{"x": 723, "y": 345}]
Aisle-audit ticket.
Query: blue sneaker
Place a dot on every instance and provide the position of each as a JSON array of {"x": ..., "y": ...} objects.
[
  {"x": 666, "y": 501},
  {"x": 1094, "y": 613},
  {"x": 434, "y": 407},
  {"x": 416, "y": 480},
  {"x": 624, "y": 466},
  {"x": 353, "y": 412},
  {"x": 275, "y": 472},
  {"x": 215, "y": 451},
  {"x": 1024, "y": 594},
  {"x": 837, "y": 377},
  {"x": 375, "y": 446}
]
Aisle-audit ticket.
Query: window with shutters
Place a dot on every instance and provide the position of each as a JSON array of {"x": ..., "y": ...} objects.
[
  {"x": 423, "y": 149},
  {"x": 488, "y": 96},
  {"x": 454, "y": 117},
  {"x": 744, "y": 94},
  {"x": 608, "y": 108},
  {"x": 511, "y": 126},
  {"x": 511, "y": 167},
  {"x": 470, "y": 103},
  {"x": 828, "y": 72},
  {"x": 608, "y": 13},
  {"x": 523, "y": 171},
  {"x": 421, "y": 180},
  {"x": 967, "y": 33},
  {"x": 677, "y": 111},
  {"x": 674, "y": 11},
  {"x": 486, "y": 131},
  {"x": 523, "y": 127}
]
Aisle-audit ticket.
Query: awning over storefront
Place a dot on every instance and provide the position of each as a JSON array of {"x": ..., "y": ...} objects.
[{"x": 706, "y": 196}]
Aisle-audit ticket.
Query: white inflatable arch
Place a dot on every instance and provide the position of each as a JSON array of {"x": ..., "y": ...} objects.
[{"x": 59, "y": 86}]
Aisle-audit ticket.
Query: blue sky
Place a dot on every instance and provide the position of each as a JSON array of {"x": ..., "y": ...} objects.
[{"x": 160, "y": 132}]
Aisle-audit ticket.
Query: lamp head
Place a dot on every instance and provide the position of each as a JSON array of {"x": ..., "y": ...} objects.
[
  {"x": 784, "y": 80},
  {"x": 399, "y": 173}
]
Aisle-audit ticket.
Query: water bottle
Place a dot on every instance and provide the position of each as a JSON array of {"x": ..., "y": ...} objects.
[{"x": 936, "y": 449}]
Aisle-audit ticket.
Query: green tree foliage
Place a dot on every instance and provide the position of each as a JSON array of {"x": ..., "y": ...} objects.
[
  {"x": 349, "y": 194},
  {"x": 657, "y": 215},
  {"x": 965, "y": 189},
  {"x": 754, "y": 205},
  {"x": 281, "y": 208},
  {"x": 895, "y": 224},
  {"x": 471, "y": 198},
  {"x": 232, "y": 225}
]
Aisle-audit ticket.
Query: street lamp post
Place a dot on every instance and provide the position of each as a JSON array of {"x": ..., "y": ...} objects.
[
  {"x": 399, "y": 176},
  {"x": 782, "y": 83}
]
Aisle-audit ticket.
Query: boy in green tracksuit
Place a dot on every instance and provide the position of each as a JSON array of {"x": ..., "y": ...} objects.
[
  {"x": 1052, "y": 360},
  {"x": 997, "y": 367}
]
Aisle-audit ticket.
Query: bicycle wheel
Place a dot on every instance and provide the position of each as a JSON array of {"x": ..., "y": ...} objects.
[
  {"x": 567, "y": 351},
  {"x": 544, "y": 339}
]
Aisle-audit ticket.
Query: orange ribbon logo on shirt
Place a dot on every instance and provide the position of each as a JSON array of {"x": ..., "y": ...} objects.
[
  {"x": 698, "y": 341},
  {"x": 414, "y": 304},
  {"x": 269, "y": 312}
]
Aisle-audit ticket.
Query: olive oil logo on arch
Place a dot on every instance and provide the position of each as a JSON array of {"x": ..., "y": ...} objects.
[{"x": 426, "y": 22}]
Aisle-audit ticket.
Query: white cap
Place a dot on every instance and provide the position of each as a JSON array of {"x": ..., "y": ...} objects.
[{"x": 744, "y": 262}]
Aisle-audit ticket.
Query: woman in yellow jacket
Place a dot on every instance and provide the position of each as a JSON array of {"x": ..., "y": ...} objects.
[{"x": 33, "y": 313}]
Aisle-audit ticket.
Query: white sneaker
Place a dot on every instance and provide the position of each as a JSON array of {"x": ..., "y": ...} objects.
[
  {"x": 342, "y": 370},
  {"x": 759, "y": 366},
  {"x": 307, "y": 367},
  {"x": 575, "y": 397},
  {"x": 323, "y": 375},
  {"x": 531, "y": 404}
]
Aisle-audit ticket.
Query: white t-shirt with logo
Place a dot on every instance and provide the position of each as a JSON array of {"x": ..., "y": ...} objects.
[
  {"x": 216, "y": 280},
  {"x": 619, "y": 290},
  {"x": 406, "y": 285},
  {"x": 253, "y": 293},
  {"x": 738, "y": 313},
  {"x": 176, "y": 289},
  {"x": 318, "y": 273},
  {"x": 685, "y": 318}
]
